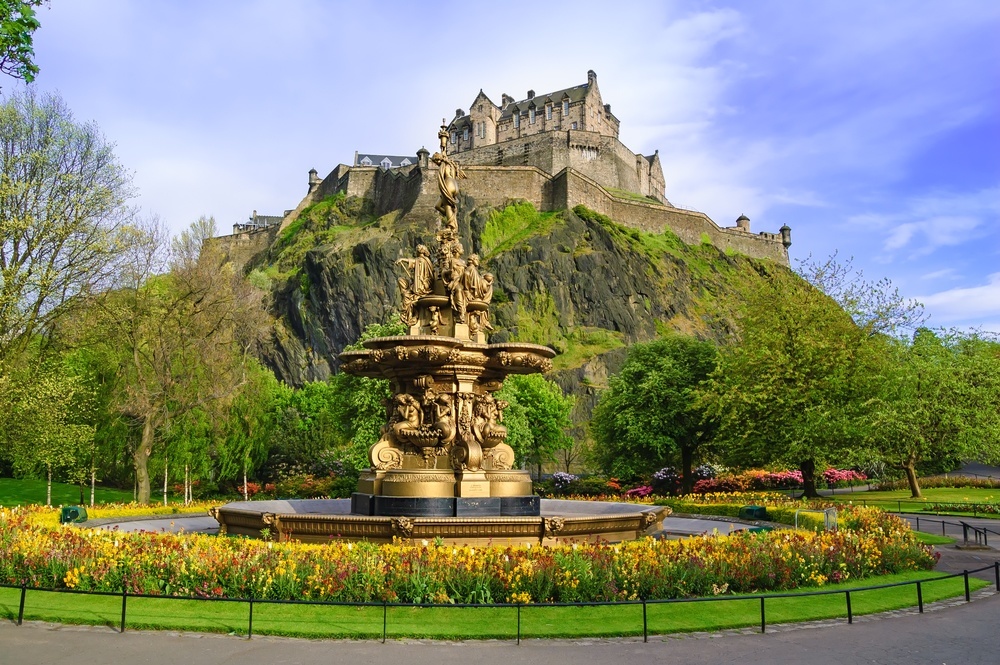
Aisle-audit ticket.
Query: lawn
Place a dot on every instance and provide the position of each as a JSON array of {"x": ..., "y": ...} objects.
[
  {"x": 22, "y": 492},
  {"x": 449, "y": 622},
  {"x": 900, "y": 500}
]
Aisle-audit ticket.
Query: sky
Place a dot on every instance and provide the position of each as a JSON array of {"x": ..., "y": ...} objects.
[{"x": 871, "y": 127}]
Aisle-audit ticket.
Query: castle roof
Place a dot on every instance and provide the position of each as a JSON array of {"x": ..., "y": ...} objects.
[
  {"x": 574, "y": 94},
  {"x": 385, "y": 161}
]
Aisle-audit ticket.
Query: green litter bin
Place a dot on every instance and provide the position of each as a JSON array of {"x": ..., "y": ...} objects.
[
  {"x": 753, "y": 513},
  {"x": 75, "y": 514},
  {"x": 759, "y": 529}
]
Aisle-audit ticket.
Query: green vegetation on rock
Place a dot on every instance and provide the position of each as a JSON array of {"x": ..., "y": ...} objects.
[{"x": 512, "y": 225}]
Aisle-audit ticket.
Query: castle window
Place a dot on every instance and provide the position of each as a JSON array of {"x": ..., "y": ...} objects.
[
  {"x": 454, "y": 137},
  {"x": 531, "y": 115},
  {"x": 565, "y": 107},
  {"x": 366, "y": 162},
  {"x": 386, "y": 163},
  {"x": 574, "y": 126},
  {"x": 465, "y": 134},
  {"x": 517, "y": 119},
  {"x": 405, "y": 162},
  {"x": 548, "y": 111}
]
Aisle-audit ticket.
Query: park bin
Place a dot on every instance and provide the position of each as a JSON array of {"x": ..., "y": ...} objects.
[
  {"x": 72, "y": 514},
  {"x": 759, "y": 529},
  {"x": 753, "y": 513}
]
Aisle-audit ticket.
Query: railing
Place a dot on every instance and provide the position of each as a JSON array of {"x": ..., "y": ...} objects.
[
  {"x": 518, "y": 607},
  {"x": 974, "y": 507},
  {"x": 980, "y": 534}
]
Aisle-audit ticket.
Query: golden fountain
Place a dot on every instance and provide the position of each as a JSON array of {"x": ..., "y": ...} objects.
[{"x": 442, "y": 467}]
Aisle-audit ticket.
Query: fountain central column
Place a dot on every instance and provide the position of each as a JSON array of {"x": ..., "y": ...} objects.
[{"x": 443, "y": 449}]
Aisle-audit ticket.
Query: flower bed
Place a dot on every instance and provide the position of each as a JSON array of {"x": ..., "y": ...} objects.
[
  {"x": 871, "y": 543},
  {"x": 758, "y": 480}
]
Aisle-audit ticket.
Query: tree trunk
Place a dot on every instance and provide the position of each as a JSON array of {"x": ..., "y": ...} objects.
[
  {"x": 165, "y": 480},
  {"x": 910, "y": 467},
  {"x": 808, "y": 469},
  {"x": 687, "y": 461},
  {"x": 246, "y": 496},
  {"x": 93, "y": 478},
  {"x": 187, "y": 485},
  {"x": 48, "y": 488},
  {"x": 140, "y": 458}
]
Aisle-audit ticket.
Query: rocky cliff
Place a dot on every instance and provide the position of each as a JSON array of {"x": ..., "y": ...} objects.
[{"x": 573, "y": 279}]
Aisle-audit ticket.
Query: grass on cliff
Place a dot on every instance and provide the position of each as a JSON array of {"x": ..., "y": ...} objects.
[
  {"x": 336, "y": 219},
  {"x": 538, "y": 621},
  {"x": 506, "y": 228}
]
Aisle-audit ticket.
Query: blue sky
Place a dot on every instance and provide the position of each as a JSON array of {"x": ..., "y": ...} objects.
[{"x": 872, "y": 128}]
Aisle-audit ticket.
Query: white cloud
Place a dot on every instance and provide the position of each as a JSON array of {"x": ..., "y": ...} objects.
[{"x": 967, "y": 306}]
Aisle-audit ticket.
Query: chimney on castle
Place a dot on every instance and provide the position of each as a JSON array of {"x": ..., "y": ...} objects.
[
  {"x": 591, "y": 77},
  {"x": 505, "y": 99},
  {"x": 531, "y": 94},
  {"x": 459, "y": 113}
]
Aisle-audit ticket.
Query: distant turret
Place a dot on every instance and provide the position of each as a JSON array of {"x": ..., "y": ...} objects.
[
  {"x": 786, "y": 236},
  {"x": 314, "y": 180},
  {"x": 743, "y": 223}
]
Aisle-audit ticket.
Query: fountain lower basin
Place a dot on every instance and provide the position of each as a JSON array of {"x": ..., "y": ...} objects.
[{"x": 323, "y": 520}]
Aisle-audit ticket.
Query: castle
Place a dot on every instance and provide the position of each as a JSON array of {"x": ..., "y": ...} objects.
[{"x": 556, "y": 150}]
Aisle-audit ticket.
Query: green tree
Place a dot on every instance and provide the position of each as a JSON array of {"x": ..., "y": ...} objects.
[
  {"x": 790, "y": 386},
  {"x": 649, "y": 416},
  {"x": 250, "y": 425},
  {"x": 537, "y": 418},
  {"x": 182, "y": 339},
  {"x": 17, "y": 26},
  {"x": 47, "y": 429},
  {"x": 65, "y": 223},
  {"x": 932, "y": 401}
]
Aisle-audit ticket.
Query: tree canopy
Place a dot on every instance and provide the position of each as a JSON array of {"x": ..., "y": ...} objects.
[
  {"x": 649, "y": 417},
  {"x": 18, "y": 23}
]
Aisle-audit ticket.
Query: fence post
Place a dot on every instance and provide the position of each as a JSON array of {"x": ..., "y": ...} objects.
[
  {"x": 763, "y": 624},
  {"x": 920, "y": 598},
  {"x": 385, "y": 613},
  {"x": 645, "y": 625},
  {"x": 250, "y": 623},
  {"x": 966, "y": 575},
  {"x": 918, "y": 522},
  {"x": 850, "y": 614},
  {"x": 519, "y": 623},
  {"x": 24, "y": 590},
  {"x": 942, "y": 528},
  {"x": 124, "y": 598},
  {"x": 996, "y": 570}
]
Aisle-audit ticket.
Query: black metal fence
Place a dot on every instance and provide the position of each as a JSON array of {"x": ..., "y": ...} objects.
[
  {"x": 517, "y": 607},
  {"x": 980, "y": 534}
]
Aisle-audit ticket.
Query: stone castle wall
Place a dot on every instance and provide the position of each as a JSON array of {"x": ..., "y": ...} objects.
[
  {"x": 415, "y": 191},
  {"x": 603, "y": 158}
]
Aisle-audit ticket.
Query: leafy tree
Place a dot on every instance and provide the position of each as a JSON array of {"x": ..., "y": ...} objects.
[
  {"x": 876, "y": 307},
  {"x": 65, "y": 225},
  {"x": 790, "y": 386},
  {"x": 250, "y": 424},
  {"x": 537, "y": 418},
  {"x": 933, "y": 401},
  {"x": 17, "y": 25},
  {"x": 649, "y": 416},
  {"x": 47, "y": 430},
  {"x": 182, "y": 339}
]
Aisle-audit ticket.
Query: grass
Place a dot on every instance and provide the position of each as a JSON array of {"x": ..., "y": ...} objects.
[
  {"x": 933, "y": 538},
  {"x": 507, "y": 228},
  {"x": 900, "y": 499},
  {"x": 449, "y": 622},
  {"x": 22, "y": 492}
]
